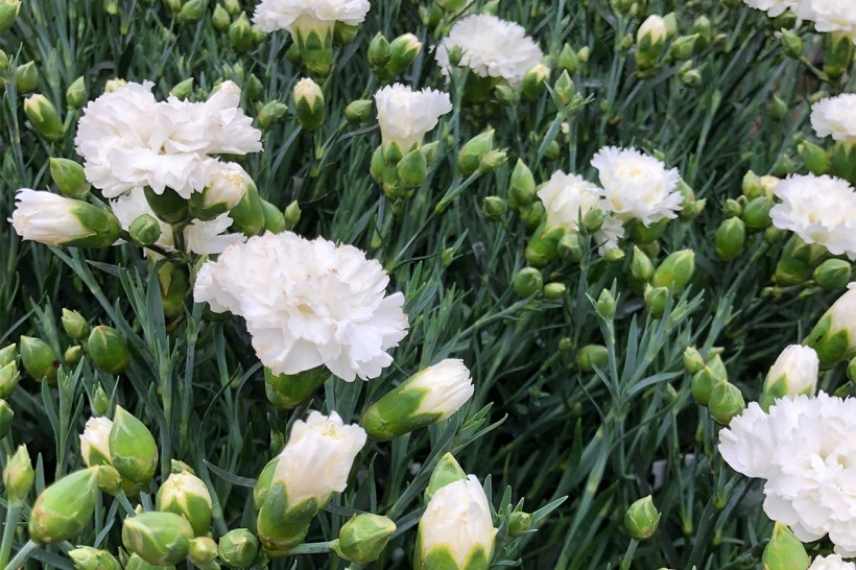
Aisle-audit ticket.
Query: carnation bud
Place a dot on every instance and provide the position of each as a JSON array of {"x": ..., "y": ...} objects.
[
  {"x": 69, "y": 178},
  {"x": 431, "y": 395},
  {"x": 26, "y": 77},
  {"x": 519, "y": 523},
  {"x": 838, "y": 50},
  {"x": 6, "y": 417},
  {"x": 159, "y": 538},
  {"x": 684, "y": 47},
  {"x": 271, "y": 113},
  {"x": 471, "y": 154},
  {"x": 134, "y": 562},
  {"x": 412, "y": 170},
  {"x": 676, "y": 271},
  {"x": 543, "y": 246},
  {"x": 8, "y": 353},
  {"x": 522, "y": 191},
  {"x": 726, "y": 401},
  {"x": 642, "y": 518},
  {"x": 693, "y": 362},
  {"x": 791, "y": 43},
  {"x": 248, "y": 216},
  {"x": 76, "y": 94},
  {"x": 650, "y": 40},
  {"x": 64, "y": 509},
  {"x": 359, "y": 111},
  {"x": 363, "y": 538},
  {"x": 238, "y": 548},
  {"x": 527, "y": 282},
  {"x": 44, "y": 117},
  {"x": 378, "y": 53},
  {"x": 95, "y": 442},
  {"x": 533, "y": 214},
  {"x": 145, "y": 230},
  {"x": 287, "y": 391},
  {"x": 133, "y": 451},
  {"x": 72, "y": 355},
  {"x": 606, "y": 305},
  {"x": 191, "y": 11},
  {"x": 704, "y": 380},
  {"x": 220, "y": 19},
  {"x": 203, "y": 551},
  {"x": 233, "y": 7},
  {"x": 274, "y": 218},
  {"x": 568, "y": 59},
  {"x": 794, "y": 373},
  {"x": 656, "y": 299},
  {"x": 403, "y": 50},
  {"x": 534, "y": 80},
  {"x": 494, "y": 207},
  {"x": 309, "y": 104},
  {"x": 9, "y": 377},
  {"x": 564, "y": 90},
  {"x": 784, "y": 551},
  {"x": 592, "y": 357},
  {"x": 241, "y": 33},
  {"x": 815, "y": 158},
  {"x": 292, "y": 214},
  {"x": 555, "y": 291},
  {"x": 100, "y": 401},
  {"x": 842, "y": 160},
  {"x": 8, "y": 13},
  {"x": 730, "y": 239},
  {"x": 18, "y": 476},
  {"x": 107, "y": 349},
  {"x": 447, "y": 470},
  {"x": 833, "y": 274},
  {"x": 641, "y": 268},
  {"x": 187, "y": 495},
  {"x": 38, "y": 359},
  {"x": 89, "y": 558},
  {"x": 756, "y": 213}
]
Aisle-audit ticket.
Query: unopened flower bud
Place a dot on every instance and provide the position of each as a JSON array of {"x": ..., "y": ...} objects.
[
  {"x": 292, "y": 214},
  {"x": 794, "y": 373},
  {"x": 693, "y": 361},
  {"x": 791, "y": 43},
  {"x": 38, "y": 359},
  {"x": 834, "y": 336},
  {"x": 359, "y": 111},
  {"x": 564, "y": 90},
  {"x": 756, "y": 213},
  {"x": 378, "y": 53},
  {"x": 402, "y": 51},
  {"x": 238, "y": 548},
  {"x": 44, "y": 117},
  {"x": 555, "y": 291},
  {"x": 522, "y": 191},
  {"x": 642, "y": 519},
  {"x": 675, "y": 271},
  {"x": 271, "y": 113},
  {"x": 76, "y": 94},
  {"x": 191, "y": 11},
  {"x": 650, "y": 40},
  {"x": 592, "y": 357},
  {"x": 534, "y": 80},
  {"x": 8, "y": 13},
  {"x": 815, "y": 158},
  {"x": 705, "y": 379},
  {"x": 412, "y": 169},
  {"x": 107, "y": 349},
  {"x": 241, "y": 33},
  {"x": 429, "y": 396},
  {"x": 730, "y": 239},
  {"x": 89, "y": 558},
  {"x": 133, "y": 451},
  {"x": 527, "y": 282},
  {"x": 656, "y": 300},
  {"x": 203, "y": 551},
  {"x": 64, "y": 509},
  {"x": 519, "y": 523},
  {"x": 18, "y": 476},
  {"x": 447, "y": 470},
  {"x": 684, "y": 47},
  {"x": 833, "y": 274},
  {"x": 309, "y": 104},
  {"x": 72, "y": 355},
  {"x": 9, "y": 377},
  {"x": 726, "y": 401},
  {"x": 784, "y": 551},
  {"x": 157, "y": 537},
  {"x": 187, "y": 495},
  {"x": 8, "y": 353},
  {"x": 471, "y": 154},
  {"x": 606, "y": 305},
  {"x": 838, "y": 51},
  {"x": 27, "y": 77},
  {"x": 363, "y": 538},
  {"x": 6, "y": 417},
  {"x": 494, "y": 207},
  {"x": 568, "y": 59},
  {"x": 220, "y": 19},
  {"x": 100, "y": 401},
  {"x": 287, "y": 391},
  {"x": 274, "y": 218}
]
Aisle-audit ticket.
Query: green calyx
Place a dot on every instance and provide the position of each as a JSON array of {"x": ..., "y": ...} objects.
[
  {"x": 287, "y": 391},
  {"x": 133, "y": 450},
  {"x": 395, "y": 413},
  {"x": 64, "y": 509},
  {"x": 281, "y": 526},
  {"x": 157, "y": 537}
]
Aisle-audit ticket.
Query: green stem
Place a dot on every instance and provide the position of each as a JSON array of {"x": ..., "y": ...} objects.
[
  {"x": 22, "y": 555},
  {"x": 12, "y": 512},
  {"x": 629, "y": 554},
  {"x": 312, "y": 548}
]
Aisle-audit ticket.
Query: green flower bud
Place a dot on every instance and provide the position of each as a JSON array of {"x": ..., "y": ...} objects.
[
  {"x": 784, "y": 551},
  {"x": 18, "y": 476},
  {"x": 309, "y": 104},
  {"x": 203, "y": 551},
  {"x": 533, "y": 214},
  {"x": 676, "y": 271},
  {"x": 220, "y": 19},
  {"x": 656, "y": 299},
  {"x": 378, "y": 53},
  {"x": 643, "y": 235},
  {"x": 9, "y": 377},
  {"x": 27, "y": 77},
  {"x": 241, "y": 33},
  {"x": 843, "y": 160},
  {"x": 157, "y": 537},
  {"x": 72, "y": 355},
  {"x": 359, "y": 111},
  {"x": 8, "y": 13},
  {"x": 473, "y": 151},
  {"x": 838, "y": 50},
  {"x": 534, "y": 81},
  {"x": 833, "y": 274},
  {"x": 564, "y": 90},
  {"x": 89, "y": 558},
  {"x": 756, "y": 213},
  {"x": 568, "y": 59},
  {"x": 726, "y": 401},
  {"x": 238, "y": 548},
  {"x": 108, "y": 479},
  {"x": 187, "y": 495},
  {"x": 133, "y": 451},
  {"x": 527, "y": 282},
  {"x": 730, "y": 239},
  {"x": 74, "y": 324},
  {"x": 271, "y": 113},
  {"x": 248, "y": 217},
  {"x": 8, "y": 353},
  {"x": 447, "y": 470},
  {"x": 345, "y": 33},
  {"x": 650, "y": 40},
  {"x": 145, "y": 230},
  {"x": 64, "y": 509},
  {"x": 642, "y": 518},
  {"x": 100, "y": 401},
  {"x": 815, "y": 158},
  {"x": 707, "y": 378},
  {"x": 183, "y": 89},
  {"x": 555, "y": 291},
  {"x": 233, "y": 7},
  {"x": 134, "y": 562},
  {"x": 606, "y": 305},
  {"x": 519, "y": 523},
  {"x": 107, "y": 349},
  {"x": 38, "y": 359},
  {"x": 76, "y": 94},
  {"x": 192, "y": 11},
  {"x": 412, "y": 170},
  {"x": 792, "y": 44},
  {"x": 403, "y": 50},
  {"x": 287, "y": 391},
  {"x": 6, "y": 417},
  {"x": 641, "y": 268},
  {"x": 494, "y": 207},
  {"x": 522, "y": 191},
  {"x": 292, "y": 214},
  {"x": 543, "y": 247},
  {"x": 44, "y": 117},
  {"x": 274, "y": 219},
  {"x": 684, "y": 47},
  {"x": 693, "y": 362},
  {"x": 591, "y": 357},
  {"x": 363, "y": 538}
]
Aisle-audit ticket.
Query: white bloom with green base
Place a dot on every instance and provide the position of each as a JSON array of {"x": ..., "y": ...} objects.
[
  {"x": 835, "y": 117},
  {"x": 52, "y": 219},
  {"x": 456, "y": 531},
  {"x": 95, "y": 441},
  {"x": 492, "y": 48},
  {"x": 431, "y": 395},
  {"x": 405, "y": 116},
  {"x": 296, "y": 484},
  {"x": 567, "y": 198},
  {"x": 834, "y": 336},
  {"x": 637, "y": 186},
  {"x": 187, "y": 495},
  {"x": 793, "y": 374}
]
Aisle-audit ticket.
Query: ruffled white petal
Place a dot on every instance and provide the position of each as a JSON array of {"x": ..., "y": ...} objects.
[
  {"x": 405, "y": 116},
  {"x": 835, "y": 117},
  {"x": 46, "y": 217},
  {"x": 272, "y": 15}
]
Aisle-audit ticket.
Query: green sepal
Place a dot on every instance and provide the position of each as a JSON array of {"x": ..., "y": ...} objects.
[
  {"x": 395, "y": 414},
  {"x": 248, "y": 217},
  {"x": 168, "y": 206},
  {"x": 280, "y": 526},
  {"x": 288, "y": 391},
  {"x": 64, "y": 510}
]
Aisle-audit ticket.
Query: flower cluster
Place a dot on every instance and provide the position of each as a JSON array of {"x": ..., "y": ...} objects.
[{"x": 307, "y": 304}]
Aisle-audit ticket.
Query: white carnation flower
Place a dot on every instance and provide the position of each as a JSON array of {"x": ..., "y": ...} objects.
[
  {"x": 772, "y": 7},
  {"x": 406, "y": 116},
  {"x": 491, "y": 48},
  {"x": 804, "y": 449},
  {"x": 129, "y": 140},
  {"x": 831, "y": 562},
  {"x": 609, "y": 236},
  {"x": 272, "y": 15},
  {"x": 209, "y": 237},
  {"x": 829, "y": 15},
  {"x": 637, "y": 186},
  {"x": 317, "y": 459},
  {"x": 47, "y": 218},
  {"x": 307, "y": 304},
  {"x": 567, "y": 198},
  {"x": 95, "y": 441},
  {"x": 835, "y": 116},
  {"x": 446, "y": 386},
  {"x": 819, "y": 209}
]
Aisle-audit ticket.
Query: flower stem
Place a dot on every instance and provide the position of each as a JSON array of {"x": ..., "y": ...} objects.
[
  {"x": 22, "y": 555},
  {"x": 312, "y": 548},
  {"x": 629, "y": 554},
  {"x": 12, "y": 512}
]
